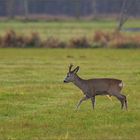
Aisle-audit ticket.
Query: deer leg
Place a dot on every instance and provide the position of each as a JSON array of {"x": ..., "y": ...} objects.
[
  {"x": 126, "y": 106},
  {"x": 125, "y": 101},
  {"x": 79, "y": 103},
  {"x": 93, "y": 101},
  {"x": 122, "y": 99},
  {"x": 122, "y": 103}
]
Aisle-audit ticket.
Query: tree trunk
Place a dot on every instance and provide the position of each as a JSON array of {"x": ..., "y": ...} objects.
[
  {"x": 10, "y": 8},
  {"x": 26, "y": 11},
  {"x": 125, "y": 11},
  {"x": 78, "y": 3},
  {"x": 94, "y": 9}
]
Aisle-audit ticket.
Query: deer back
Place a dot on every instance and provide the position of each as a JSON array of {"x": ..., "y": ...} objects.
[{"x": 105, "y": 85}]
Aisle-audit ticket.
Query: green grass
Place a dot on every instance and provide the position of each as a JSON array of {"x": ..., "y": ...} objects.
[
  {"x": 63, "y": 30},
  {"x": 35, "y": 104}
]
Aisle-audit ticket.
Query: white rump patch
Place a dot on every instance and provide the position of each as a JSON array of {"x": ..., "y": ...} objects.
[{"x": 121, "y": 84}]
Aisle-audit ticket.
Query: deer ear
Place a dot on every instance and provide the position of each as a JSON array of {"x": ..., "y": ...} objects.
[
  {"x": 76, "y": 69},
  {"x": 71, "y": 65}
]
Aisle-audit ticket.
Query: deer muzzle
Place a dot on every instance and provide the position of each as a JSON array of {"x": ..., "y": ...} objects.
[{"x": 65, "y": 81}]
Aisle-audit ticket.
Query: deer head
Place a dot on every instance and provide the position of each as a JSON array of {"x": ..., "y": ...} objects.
[{"x": 71, "y": 74}]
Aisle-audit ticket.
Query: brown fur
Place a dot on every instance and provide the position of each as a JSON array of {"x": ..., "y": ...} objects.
[{"x": 98, "y": 86}]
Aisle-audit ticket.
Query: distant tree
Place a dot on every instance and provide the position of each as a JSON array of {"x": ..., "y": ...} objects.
[
  {"x": 126, "y": 9},
  {"x": 10, "y": 8},
  {"x": 78, "y": 5},
  {"x": 94, "y": 7},
  {"x": 26, "y": 12}
]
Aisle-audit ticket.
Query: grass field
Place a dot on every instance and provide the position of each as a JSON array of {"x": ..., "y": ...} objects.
[
  {"x": 64, "y": 30},
  {"x": 35, "y": 104}
]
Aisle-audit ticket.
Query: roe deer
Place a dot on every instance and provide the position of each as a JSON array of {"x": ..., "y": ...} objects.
[{"x": 99, "y": 86}]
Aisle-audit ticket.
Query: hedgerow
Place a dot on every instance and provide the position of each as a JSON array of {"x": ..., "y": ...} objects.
[{"x": 99, "y": 40}]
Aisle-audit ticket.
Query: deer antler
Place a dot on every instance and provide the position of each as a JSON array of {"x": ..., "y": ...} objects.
[{"x": 71, "y": 65}]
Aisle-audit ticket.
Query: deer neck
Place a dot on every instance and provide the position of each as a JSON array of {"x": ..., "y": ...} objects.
[{"x": 79, "y": 82}]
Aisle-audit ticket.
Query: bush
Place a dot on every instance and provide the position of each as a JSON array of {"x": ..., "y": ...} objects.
[
  {"x": 9, "y": 39},
  {"x": 100, "y": 39},
  {"x": 33, "y": 40},
  {"x": 81, "y": 42},
  {"x": 96, "y": 45},
  {"x": 20, "y": 41},
  {"x": 52, "y": 42},
  {"x": 115, "y": 40},
  {"x": 0, "y": 41},
  {"x": 124, "y": 43}
]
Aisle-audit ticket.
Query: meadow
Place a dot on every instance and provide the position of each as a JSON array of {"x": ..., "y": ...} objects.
[
  {"x": 64, "y": 30},
  {"x": 35, "y": 104}
]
